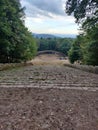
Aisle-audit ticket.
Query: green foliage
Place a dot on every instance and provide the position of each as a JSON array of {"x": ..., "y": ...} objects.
[
  {"x": 64, "y": 45},
  {"x": 57, "y": 44},
  {"x": 15, "y": 40},
  {"x": 91, "y": 53},
  {"x": 82, "y": 8},
  {"x": 86, "y": 13},
  {"x": 75, "y": 53},
  {"x": 90, "y": 46}
]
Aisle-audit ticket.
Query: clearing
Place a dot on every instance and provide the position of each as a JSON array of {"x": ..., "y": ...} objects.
[{"x": 48, "y": 96}]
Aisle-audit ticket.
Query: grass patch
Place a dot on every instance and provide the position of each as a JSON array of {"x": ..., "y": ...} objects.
[
  {"x": 87, "y": 68},
  {"x": 12, "y": 65}
]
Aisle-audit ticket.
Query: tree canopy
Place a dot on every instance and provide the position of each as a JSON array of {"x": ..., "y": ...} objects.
[
  {"x": 86, "y": 14},
  {"x": 57, "y": 44},
  {"x": 75, "y": 53},
  {"x": 83, "y": 9},
  {"x": 15, "y": 40}
]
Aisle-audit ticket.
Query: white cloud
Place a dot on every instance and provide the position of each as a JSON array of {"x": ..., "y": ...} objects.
[
  {"x": 66, "y": 31},
  {"x": 34, "y": 20},
  {"x": 45, "y": 16}
]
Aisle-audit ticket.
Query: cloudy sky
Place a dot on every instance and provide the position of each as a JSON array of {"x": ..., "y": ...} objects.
[{"x": 48, "y": 16}]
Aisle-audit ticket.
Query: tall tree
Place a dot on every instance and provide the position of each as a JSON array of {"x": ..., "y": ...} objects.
[
  {"x": 82, "y": 9},
  {"x": 89, "y": 46},
  {"x": 86, "y": 13},
  {"x": 15, "y": 40},
  {"x": 75, "y": 53},
  {"x": 57, "y": 44}
]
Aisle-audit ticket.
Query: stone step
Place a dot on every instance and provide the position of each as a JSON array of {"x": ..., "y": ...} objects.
[{"x": 49, "y": 75}]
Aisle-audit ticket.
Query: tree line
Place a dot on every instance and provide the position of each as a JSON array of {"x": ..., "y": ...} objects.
[
  {"x": 57, "y": 44},
  {"x": 16, "y": 42},
  {"x": 85, "y": 47}
]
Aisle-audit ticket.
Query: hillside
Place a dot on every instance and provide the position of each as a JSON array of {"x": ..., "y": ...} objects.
[
  {"x": 44, "y": 35},
  {"x": 54, "y": 35},
  {"x": 48, "y": 97}
]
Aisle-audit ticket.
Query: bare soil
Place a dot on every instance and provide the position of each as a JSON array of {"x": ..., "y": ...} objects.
[
  {"x": 50, "y": 59},
  {"x": 42, "y": 97},
  {"x": 48, "y": 109}
]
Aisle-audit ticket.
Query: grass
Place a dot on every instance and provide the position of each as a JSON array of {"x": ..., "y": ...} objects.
[
  {"x": 12, "y": 65},
  {"x": 87, "y": 68}
]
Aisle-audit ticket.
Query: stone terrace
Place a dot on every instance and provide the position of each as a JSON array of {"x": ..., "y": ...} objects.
[{"x": 48, "y": 76}]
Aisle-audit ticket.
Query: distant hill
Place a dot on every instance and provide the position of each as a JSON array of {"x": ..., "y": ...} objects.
[
  {"x": 53, "y": 35},
  {"x": 66, "y": 35},
  {"x": 44, "y": 35}
]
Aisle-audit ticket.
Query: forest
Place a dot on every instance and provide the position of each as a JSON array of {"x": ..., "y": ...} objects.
[
  {"x": 62, "y": 45},
  {"x": 16, "y": 42},
  {"x": 18, "y": 45},
  {"x": 85, "y": 47}
]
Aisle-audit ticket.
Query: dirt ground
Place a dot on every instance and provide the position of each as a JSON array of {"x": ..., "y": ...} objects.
[
  {"x": 50, "y": 59},
  {"x": 48, "y": 109},
  {"x": 48, "y": 97}
]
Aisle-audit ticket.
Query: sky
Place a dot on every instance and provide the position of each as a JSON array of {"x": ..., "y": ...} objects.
[{"x": 48, "y": 16}]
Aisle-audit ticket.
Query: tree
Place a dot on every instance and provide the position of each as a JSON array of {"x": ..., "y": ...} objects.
[
  {"x": 15, "y": 40},
  {"x": 86, "y": 14},
  {"x": 90, "y": 46},
  {"x": 75, "y": 53},
  {"x": 64, "y": 45},
  {"x": 82, "y": 9},
  {"x": 91, "y": 53},
  {"x": 57, "y": 44}
]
